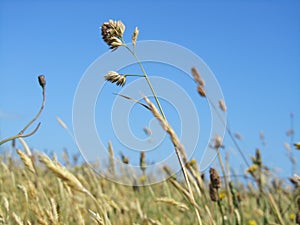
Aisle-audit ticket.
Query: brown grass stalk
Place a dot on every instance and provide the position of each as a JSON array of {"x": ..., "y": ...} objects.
[{"x": 179, "y": 149}]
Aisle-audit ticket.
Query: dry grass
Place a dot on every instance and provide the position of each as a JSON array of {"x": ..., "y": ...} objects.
[{"x": 53, "y": 194}]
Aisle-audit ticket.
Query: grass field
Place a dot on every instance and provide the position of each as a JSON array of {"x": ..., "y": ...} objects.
[{"x": 38, "y": 190}]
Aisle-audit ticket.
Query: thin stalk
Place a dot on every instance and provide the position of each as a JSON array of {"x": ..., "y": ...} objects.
[
  {"x": 37, "y": 115},
  {"x": 133, "y": 52},
  {"x": 188, "y": 185},
  {"x": 20, "y": 136},
  {"x": 275, "y": 209},
  {"x": 229, "y": 132},
  {"x": 225, "y": 180},
  {"x": 21, "y": 133},
  {"x": 148, "y": 81},
  {"x": 221, "y": 211},
  {"x": 175, "y": 147},
  {"x": 133, "y": 75}
]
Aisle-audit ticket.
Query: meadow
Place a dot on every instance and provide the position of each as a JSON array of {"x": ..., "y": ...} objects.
[{"x": 36, "y": 188}]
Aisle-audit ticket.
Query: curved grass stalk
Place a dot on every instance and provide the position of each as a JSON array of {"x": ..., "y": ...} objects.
[
  {"x": 229, "y": 132},
  {"x": 21, "y": 134}
]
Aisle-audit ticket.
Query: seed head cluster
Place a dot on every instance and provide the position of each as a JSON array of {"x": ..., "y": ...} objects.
[
  {"x": 112, "y": 33},
  {"x": 115, "y": 77}
]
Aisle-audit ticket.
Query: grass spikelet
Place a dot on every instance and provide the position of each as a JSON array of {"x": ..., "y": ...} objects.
[
  {"x": 42, "y": 221},
  {"x": 112, "y": 166},
  {"x": 17, "y": 219},
  {"x": 24, "y": 190},
  {"x": 222, "y": 105},
  {"x": 61, "y": 123},
  {"x": 297, "y": 177},
  {"x": 5, "y": 167},
  {"x": 63, "y": 174},
  {"x": 197, "y": 76},
  {"x": 181, "y": 189},
  {"x": 6, "y": 204},
  {"x": 95, "y": 216},
  {"x": 179, "y": 150},
  {"x": 215, "y": 179},
  {"x": 25, "y": 146},
  {"x": 2, "y": 219},
  {"x": 201, "y": 91},
  {"x": 26, "y": 160},
  {"x": 238, "y": 217},
  {"x": 55, "y": 214},
  {"x": 134, "y": 36},
  {"x": 154, "y": 222},
  {"x": 143, "y": 164},
  {"x": 181, "y": 206},
  {"x": 165, "y": 125},
  {"x": 78, "y": 216},
  {"x": 213, "y": 193}
]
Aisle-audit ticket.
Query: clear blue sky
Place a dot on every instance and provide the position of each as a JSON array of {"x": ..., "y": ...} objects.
[{"x": 253, "y": 48}]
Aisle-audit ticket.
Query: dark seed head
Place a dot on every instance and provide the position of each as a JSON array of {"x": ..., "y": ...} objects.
[{"x": 42, "y": 80}]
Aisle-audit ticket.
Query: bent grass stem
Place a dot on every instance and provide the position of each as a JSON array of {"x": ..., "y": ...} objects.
[{"x": 148, "y": 81}]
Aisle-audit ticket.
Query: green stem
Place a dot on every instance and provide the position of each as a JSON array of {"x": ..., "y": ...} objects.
[
  {"x": 225, "y": 179},
  {"x": 221, "y": 210},
  {"x": 148, "y": 81},
  {"x": 133, "y": 75}
]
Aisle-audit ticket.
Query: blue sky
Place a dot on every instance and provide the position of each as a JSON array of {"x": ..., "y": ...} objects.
[{"x": 253, "y": 48}]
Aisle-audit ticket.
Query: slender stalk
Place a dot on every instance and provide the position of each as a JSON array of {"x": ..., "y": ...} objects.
[
  {"x": 175, "y": 147},
  {"x": 37, "y": 115},
  {"x": 179, "y": 150},
  {"x": 229, "y": 132},
  {"x": 20, "y": 136},
  {"x": 148, "y": 81},
  {"x": 21, "y": 133},
  {"x": 133, "y": 75},
  {"x": 275, "y": 209},
  {"x": 188, "y": 184},
  {"x": 225, "y": 180},
  {"x": 221, "y": 211}
]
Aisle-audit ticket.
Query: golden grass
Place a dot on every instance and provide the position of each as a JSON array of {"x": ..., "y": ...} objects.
[{"x": 56, "y": 195}]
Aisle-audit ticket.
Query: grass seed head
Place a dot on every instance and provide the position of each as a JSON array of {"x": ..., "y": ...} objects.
[
  {"x": 26, "y": 160},
  {"x": 218, "y": 142},
  {"x": 197, "y": 77},
  {"x": 238, "y": 136},
  {"x": 42, "y": 81},
  {"x": 222, "y": 105},
  {"x": 63, "y": 174},
  {"x": 134, "y": 36},
  {"x": 112, "y": 33},
  {"x": 201, "y": 91},
  {"x": 115, "y": 77},
  {"x": 143, "y": 164},
  {"x": 215, "y": 179},
  {"x": 213, "y": 193}
]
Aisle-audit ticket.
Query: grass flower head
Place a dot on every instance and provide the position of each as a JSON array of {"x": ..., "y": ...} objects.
[
  {"x": 115, "y": 77},
  {"x": 112, "y": 33}
]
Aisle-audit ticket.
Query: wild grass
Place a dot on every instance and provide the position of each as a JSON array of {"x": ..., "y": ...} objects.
[{"x": 40, "y": 190}]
